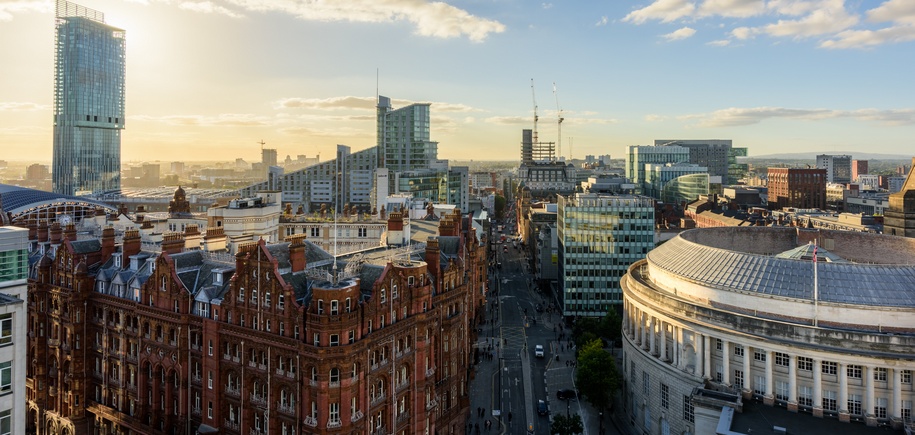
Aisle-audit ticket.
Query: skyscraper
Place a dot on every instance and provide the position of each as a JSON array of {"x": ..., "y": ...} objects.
[
  {"x": 88, "y": 101},
  {"x": 403, "y": 137}
]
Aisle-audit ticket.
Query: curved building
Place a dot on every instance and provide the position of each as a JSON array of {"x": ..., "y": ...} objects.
[{"x": 732, "y": 315}]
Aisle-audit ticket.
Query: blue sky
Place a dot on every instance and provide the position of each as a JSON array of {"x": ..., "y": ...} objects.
[{"x": 209, "y": 79}]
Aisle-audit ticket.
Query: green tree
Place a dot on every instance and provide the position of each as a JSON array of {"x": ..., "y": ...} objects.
[
  {"x": 500, "y": 206},
  {"x": 566, "y": 425},
  {"x": 612, "y": 326},
  {"x": 597, "y": 377}
]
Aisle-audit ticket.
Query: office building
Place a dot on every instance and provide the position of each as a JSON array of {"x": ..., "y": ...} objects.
[
  {"x": 638, "y": 156},
  {"x": 858, "y": 168},
  {"x": 272, "y": 340},
  {"x": 13, "y": 326},
  {"x": 718, "y": 155},
  {"x": 599, "y": 237},
  {"x": 838, "y": 168},
  {"x": 659, "y": 176},
  {"x": 899, "y": 218},
  {"x": 762, "y": 314},
  {"x": 796, "y": 187},
  {"x": 88, "y": 113}
]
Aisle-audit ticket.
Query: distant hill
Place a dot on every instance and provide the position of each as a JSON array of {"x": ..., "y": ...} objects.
[{"x": 813, "y": 156}]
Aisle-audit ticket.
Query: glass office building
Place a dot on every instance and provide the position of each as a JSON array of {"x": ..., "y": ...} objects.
[
  {"x": 599, "y": 237},
  {"x": 88, "y": 101}
]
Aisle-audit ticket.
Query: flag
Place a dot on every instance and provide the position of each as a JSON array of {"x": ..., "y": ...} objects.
[{"x": 814, "y": 253}]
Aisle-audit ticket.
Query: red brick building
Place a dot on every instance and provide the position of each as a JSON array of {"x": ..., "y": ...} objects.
[
  {"x": 795, "y": 187},
  {"x": 276, "y": 340}
]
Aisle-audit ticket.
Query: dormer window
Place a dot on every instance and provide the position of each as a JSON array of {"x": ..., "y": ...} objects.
[
  {"x": 134, "y": 263},
  {"x": 217, "y": 278},
  {"x": 152, "y": 265},
  {"x": 117, "y": 261}
]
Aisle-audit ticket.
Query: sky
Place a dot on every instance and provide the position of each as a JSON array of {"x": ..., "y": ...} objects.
[{"x": 210, "y": 79}]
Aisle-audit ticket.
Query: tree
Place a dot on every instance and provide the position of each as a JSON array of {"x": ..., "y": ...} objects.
[
  {"x": 612, "y": 326},
  {"x": 597, "y": 376},
  {"x": 500, "y": 206},
  {"x": 566, "y": 425}
]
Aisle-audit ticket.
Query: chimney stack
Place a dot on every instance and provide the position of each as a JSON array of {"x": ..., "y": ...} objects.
[
  {"x": 70, "y": 232},
  {"x": 107, "y": 243},
  {"x": 172, "y": 243},
  {"x": 297, "y": 252},
  {"x": 433, "y": 258},
  {"x": 131, "y": 243},
  {"x": 55, "y": 233}
]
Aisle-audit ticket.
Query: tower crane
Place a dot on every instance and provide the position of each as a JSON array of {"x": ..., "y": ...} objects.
[
  {"x": 534, "y": 96},
  {"x": 559, "y": 123}
]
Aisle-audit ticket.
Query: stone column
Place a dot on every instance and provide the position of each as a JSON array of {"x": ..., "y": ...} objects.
[
  {"x": 726, "y": 362},
  {"x": 792, "y": 383},
  {"x": 678, "y": 342},
  {"x": 895, "y": 408},
  {"x": 707, "y": 357},
  {"x": 843, "y": 393},
  {"x": 663, "y": 326},
  {"x": 869, "y": 402},
  {"x": 643, "y": 318},
  {"x": 769, "y": 398},
  {"x": 700, "y": 353},
  {"x": 817, "y": 387},
  {"x": 747, "y": 372},
  {"x": 651, "y": 336}
]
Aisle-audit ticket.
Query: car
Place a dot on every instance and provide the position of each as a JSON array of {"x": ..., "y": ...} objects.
[
  {"x": 538, "y": 351},
  {"x": 566, "y": 394},
  {"x": 541, "y": 408}
]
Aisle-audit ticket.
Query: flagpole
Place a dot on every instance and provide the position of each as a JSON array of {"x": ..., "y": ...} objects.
[{"x": 816, "y": 288}]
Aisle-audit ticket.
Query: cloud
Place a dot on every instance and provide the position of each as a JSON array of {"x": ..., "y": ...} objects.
[
  {"x": 430, "y": 18},
  {"x": 830, "y": 17},
  {"x": 733, "y": 117},
  {"x": 361, "y": 103},
  {"x": 602, "y": 21},
  {"x": 732, "y": 8},
  {"x": 10, "y": 8},
  {"x": 654, "y": 118},
  {"x": 719, "y": 43},
  {"x": 508, "y": 120},
  {"x": 870, "y": 38},
  {"x": 547, "y": 5},
  {"x": 681, "y": 33},
  {"x": 15, "y": 106},
  {"x": 662, "y": 10},
  {"x": 897, "y": 11},
  {"x": 744, "y": 33},
  {"x": 209, "y": 8}
]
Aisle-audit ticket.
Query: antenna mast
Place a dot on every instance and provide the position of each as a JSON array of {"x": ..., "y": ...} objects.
[
  {"x": 559, "y": 123},
  {"x": 262, "y": 143}
]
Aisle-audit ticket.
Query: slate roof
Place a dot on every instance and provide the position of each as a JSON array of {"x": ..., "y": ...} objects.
[
  {"x": 86, "y": 246},
  {"x": 839, "y": 282}
]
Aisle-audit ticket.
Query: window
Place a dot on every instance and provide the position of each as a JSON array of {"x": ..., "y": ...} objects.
[
  {"x": 334, "y": 307},
  {"x": 352, "y": 336},
  {"x": 782, "y": 359},
  {"x": 394, "y": 292},
  {"x": 854, "y": 372},
  {"x": 906, "y": 376},
  {"x": 688, "y": 411},
  {"x": 854, "y": 404},
  {"x": 804, "y": 363},
  {"x": 781, "y": 390},
  {"x": 829, "y": 401},
  {"x": 6, "y": 329},
  {"x": 320, "y": 306},
  {"x": 719, "y": 373},
  {"x": 759, "y": 385},
  {"x": 665, "y": 396},
  {"x": 738, "y": 379},
  {"x": 880, "y": 407},
  {"x": 384, "y": 296},
  {"x": 334, "y": 413},
  {"x": 315, "y": 232},
  {"x": 805, "y": 396},
  {"x": 880, "y": 374},
  {"x": 349, "y": 305},
  {"x": 759, "y": 355},
  {"x": 646, "y": 383},
  {"x": 334, "y": 339},
  {"x": 738, "y": 350},
  {"x": 719, "y": 344},
  {"x": 334, "y": 375},
  {"x": 210, "y": 348},
  {"x": 210, "y": 379},
  {"x": 210, "y": 410},
  {"x": 316, "y": 338},
  {"x": 829, "y": 367},
  {"x": 6, "y": 377}
]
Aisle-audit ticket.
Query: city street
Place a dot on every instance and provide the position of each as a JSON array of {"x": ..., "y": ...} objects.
[{"x": 509, "y": 384}]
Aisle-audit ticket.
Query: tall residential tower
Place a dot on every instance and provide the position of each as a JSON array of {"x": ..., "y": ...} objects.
[{"x": 88, "y": 101}]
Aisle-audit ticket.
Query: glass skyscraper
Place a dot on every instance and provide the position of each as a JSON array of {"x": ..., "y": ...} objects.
[{"x": 88, "y": 101}]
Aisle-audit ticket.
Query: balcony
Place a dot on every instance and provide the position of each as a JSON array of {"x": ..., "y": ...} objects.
[
  {"x": 114, "y": 382},
  {"x": 195, "y": 412},
  {"x": 231, "y": 425},
  {"x": 234, "y": 392},
  {"x": 356, "y": 417},
  {"x": 431, "y": 404},
  {"x": 313, "y": 382},
  {"x": 262, "y": 367},
  {"x": 380, "y": 430},
  {"x": 256, "y": 432},
  {"x": 430, "y": 371},
  {"x": 258, "y": 400},
  {"x": 132, "y": 358},
  {"x": 252, "y": 364},
  {"x": 403, "y": 386},
  {"x": 335, "y": 424},
  {"x": 402, "y": 417},
  {"x": 286, "y": 409},
  {"x": 132, "y": 388},
  {"x": 196, "y": 379},
  {"x": 334, "y": 384},
  {"x": 377, "y": 399},
  {"x": 310, "y": 421},
  {"x": 290, "y": 374},
  {"x": 236, "y": 359},
  {"x": 53, "y": 342},
  {"x": 226, "y": 357},
  {"x": 280, "y": 372}
]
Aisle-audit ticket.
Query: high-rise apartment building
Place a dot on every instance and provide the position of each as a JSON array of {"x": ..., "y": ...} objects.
[
  {"x": 403, "y": 137},
  {"x": 88, "y": 101},
  {"x": 599, "y": 237},
  {"x": 858, "y": 168},
  {"x": 838, "y": 168},
  {"x": 796, "y": 187}
]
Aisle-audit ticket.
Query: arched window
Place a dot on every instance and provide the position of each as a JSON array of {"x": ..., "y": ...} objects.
[
  {"x": 334, "y": 375},
  {"x": 314, "y": 374}
]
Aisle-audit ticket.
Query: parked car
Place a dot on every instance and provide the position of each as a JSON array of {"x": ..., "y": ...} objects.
[
  {"x": 566, "y": 394},
  {"x": 538, "y": 351},
  {"x": 541, "y": 408}
]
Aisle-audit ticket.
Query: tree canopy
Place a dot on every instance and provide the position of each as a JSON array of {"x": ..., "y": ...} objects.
[
  {"x": 566, "y": 425},
  {"x": 597, "y": 377}
]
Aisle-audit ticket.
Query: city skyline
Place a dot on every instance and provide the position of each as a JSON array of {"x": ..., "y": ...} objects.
[{"x": 824, "y": 76}]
